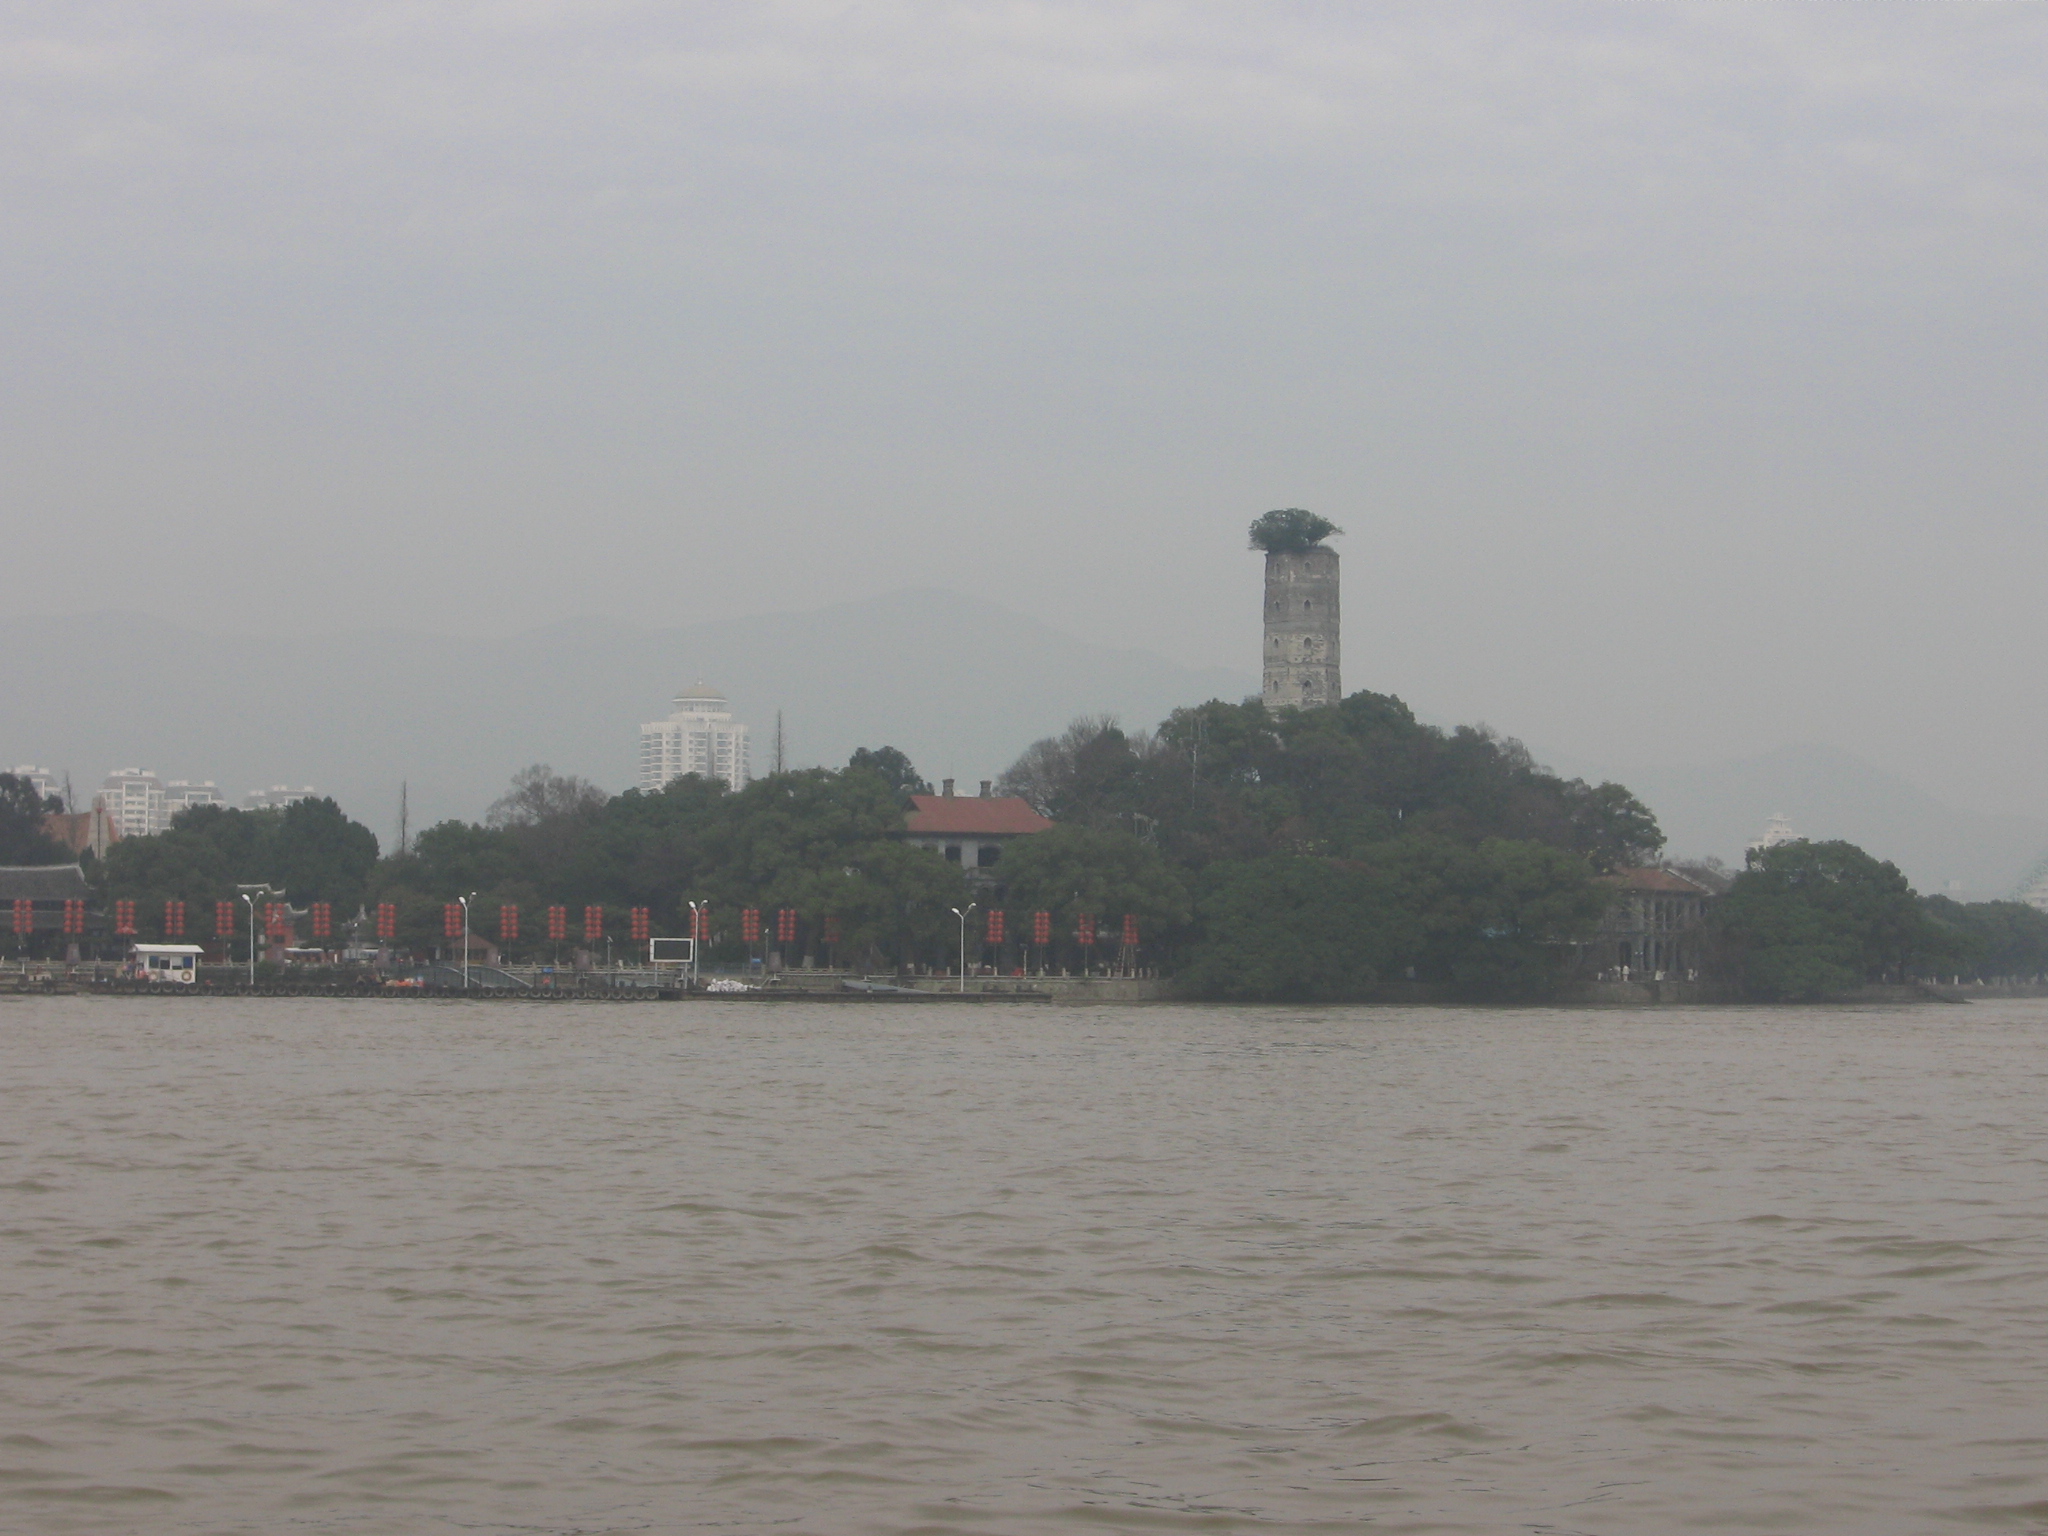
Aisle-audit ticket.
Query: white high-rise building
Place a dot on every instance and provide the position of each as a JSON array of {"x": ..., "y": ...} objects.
[
  {"x": 1776, "y": 834},
  {"x": 135, "y": 800},
  {"x": 277, "y": 797},
  {"x": 44, "y": 781},
  {"x": 182, "y": 794},
  {"x": 701, "y": 737}
]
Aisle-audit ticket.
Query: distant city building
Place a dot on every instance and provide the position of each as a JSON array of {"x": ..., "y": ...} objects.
[
  {"x": 971, "y": 830},
  {"x": 135, "y": 800},
  {"x": 183, "y": 794},
  {"x": 701, "y": 737},
  {"x": 1777, "y": 832},
  {"x": 277, "y": 797},
  {"x": 45, "y": 782}
]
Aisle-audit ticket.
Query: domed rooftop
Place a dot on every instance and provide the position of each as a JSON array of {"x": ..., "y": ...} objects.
[{"x": 699, "y": 694}]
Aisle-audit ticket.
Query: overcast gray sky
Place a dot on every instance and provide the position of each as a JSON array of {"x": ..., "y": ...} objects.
[{"x": 1676, "y": 369}]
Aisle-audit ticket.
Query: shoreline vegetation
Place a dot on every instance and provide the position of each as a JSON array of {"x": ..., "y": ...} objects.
[{"x": 1314, "y": 855}]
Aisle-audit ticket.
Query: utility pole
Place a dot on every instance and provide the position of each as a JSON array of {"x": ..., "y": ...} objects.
[
  {"x": 778, "y": 742},
  {"x": 401, "y": 815}
]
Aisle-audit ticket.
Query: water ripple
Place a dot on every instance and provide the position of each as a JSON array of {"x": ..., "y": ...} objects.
[{"x": 398, "y": 1267}]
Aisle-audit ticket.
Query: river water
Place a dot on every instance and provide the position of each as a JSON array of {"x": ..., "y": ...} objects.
[{"x": 284, "y": 1265}]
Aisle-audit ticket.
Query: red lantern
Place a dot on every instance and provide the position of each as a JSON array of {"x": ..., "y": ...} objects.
[
  {"x": 387, "y": 919},
  {"x": 451, "y": 920},
  {"x": 700, "y": 924},
  {"x": 831, "y": 930},
  {"x": 174, "y": 919},
  {"x": 1130, "y": 930},
  {"x": 124, "y": 916},
  {"x": 1041, "y": 927},
  {"x": 323, "y": 920},
  {"x": 593, "y": 924},
  {"x": 750, "y": 925},
  {"x": 641, "y": 926},
  {"x": 558, "y": 924},
  {"x": 995, "y": 926},
  {"x": 223, "y": 919},
  {"x": 1085, "y": 929},
  {"x": 24, "y": 915},
  {"x": 508, "y": 924},
  {"x": 785, "y": 926},
  {"x": 74, "y": 916}
]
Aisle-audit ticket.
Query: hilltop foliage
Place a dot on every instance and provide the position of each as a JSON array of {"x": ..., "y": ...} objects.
[
  {"x": 1236, "y": 781},
  {"x": 1329, "y": 849}
]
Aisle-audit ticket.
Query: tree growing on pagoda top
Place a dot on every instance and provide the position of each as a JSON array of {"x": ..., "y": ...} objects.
[{"x": 1290, "y": 530}]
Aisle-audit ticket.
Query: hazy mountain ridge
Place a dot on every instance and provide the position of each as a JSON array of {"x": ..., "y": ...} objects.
[
  {"x": 961, "y": 684},
  {"x": 1719, "y": 808}
]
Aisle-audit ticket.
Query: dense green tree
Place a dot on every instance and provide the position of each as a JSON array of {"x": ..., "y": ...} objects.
[
  {"x": 1500, "y": 919},
  {"x": 22, "y": 839},
  {"x": 310, "y": 850},
  {"x": 775, "y": 832},
  {"x": 1808, "y": 920},
  {"x": 1092, "y": 774},
  {"x": 1994, "y": 940},
  {"x": 321, "y": 855},
  {"x": 1494, "y": 920},
  {"x": 893, "y": 903},
  {"x": 548, "y": 820},
  {"x": 1103, "y": 871},
  {"x": 450, "y": 860},
  {"x": 649, "y": 850},
  {"x": 895, "y": 768},
  {"x": 538, "y": 794},
  {"x": 813, "y": 840},
  {"x": 1299, "y": 929}
]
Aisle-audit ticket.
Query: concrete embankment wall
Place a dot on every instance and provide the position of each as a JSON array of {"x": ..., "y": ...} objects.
[{"x": 822, "y": 986}]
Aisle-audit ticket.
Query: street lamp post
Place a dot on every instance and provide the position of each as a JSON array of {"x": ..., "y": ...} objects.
[
  {"x": 249, "y": 894},
  {"x": 465, "y": 900},
  {"x": 699, "y": 925},
  {"x": 963, "y": 942}
]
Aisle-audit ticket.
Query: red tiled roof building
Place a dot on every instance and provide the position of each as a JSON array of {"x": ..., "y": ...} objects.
[{"x": 970, "y": 829}]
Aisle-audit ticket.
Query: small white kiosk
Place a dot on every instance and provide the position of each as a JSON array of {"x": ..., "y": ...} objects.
[{"x": 174, "y": 963}]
